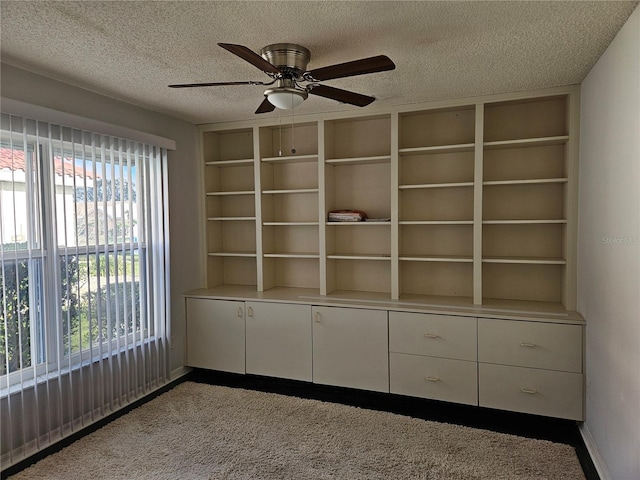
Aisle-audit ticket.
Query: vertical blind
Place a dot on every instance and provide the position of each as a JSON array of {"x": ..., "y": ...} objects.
[{"x": 84, "y": 279}]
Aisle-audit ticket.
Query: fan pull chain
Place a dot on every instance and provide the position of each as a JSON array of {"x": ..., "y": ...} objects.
[
  {"x": 293, "y": 117},
  {"x": 280, "y": 133}
]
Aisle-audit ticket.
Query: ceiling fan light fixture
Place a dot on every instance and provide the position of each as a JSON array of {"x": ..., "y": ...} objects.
[
  {"x": 286, "y": 65},
  {"x": 285, "y": 98}
]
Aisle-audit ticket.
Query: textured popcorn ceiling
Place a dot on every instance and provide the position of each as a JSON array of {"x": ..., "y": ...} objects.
[{"x": 131, "y": 50}]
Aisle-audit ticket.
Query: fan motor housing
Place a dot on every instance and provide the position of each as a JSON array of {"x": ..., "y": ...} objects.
[{"x": 288, "y": 57}]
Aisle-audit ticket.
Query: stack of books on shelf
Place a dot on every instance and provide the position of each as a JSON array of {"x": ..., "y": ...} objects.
[{"x": 347, "y": 216}]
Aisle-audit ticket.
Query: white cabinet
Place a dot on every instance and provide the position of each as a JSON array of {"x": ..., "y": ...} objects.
[
  {"x": 278, "y": 340},
  {"x": 215, "y": 334},
  {"x": 433, "y": 356},
  {"x": 531, "y": 367},
  {"x": 350, "y": 348}
]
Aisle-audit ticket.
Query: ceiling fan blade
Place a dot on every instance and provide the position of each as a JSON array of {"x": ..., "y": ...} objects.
[
  {"x": 251, "y": 57},
  {"x": 379, "y": 63},
  {"x": 265, "y": 107},
  {"x": 342, "y": 96},
  {"x": 214, "y": 84}
]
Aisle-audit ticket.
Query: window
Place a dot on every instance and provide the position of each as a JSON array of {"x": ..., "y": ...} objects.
[
  {"x": 79, "y": 215},
  {"x": 21, "y": 342},
  {"x": 84, "y": 279}
]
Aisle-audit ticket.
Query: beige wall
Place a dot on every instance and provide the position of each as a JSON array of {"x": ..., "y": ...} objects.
[
  {"x": 184, "y": 175},
  {"x": 609, "y": 253}
]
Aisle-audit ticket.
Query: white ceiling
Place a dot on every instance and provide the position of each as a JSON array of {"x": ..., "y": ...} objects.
[{"x": 131, "y": 50}]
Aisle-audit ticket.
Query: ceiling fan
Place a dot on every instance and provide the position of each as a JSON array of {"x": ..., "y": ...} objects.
[{"x": 291, "y": 83}]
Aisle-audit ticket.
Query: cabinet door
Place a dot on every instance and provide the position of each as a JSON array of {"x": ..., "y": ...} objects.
[
  {"x": 278, "y": 340},
  {"x": 350, "y": 348},
  {"x": 215, "y": 334}
]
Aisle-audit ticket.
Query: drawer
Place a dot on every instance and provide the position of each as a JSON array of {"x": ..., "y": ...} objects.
[
  {"x": 435, "y": 378},
  {"x": 530, "y": 390},
  {"x": 434, "y": 335},
  {"x": 530, "y": 344}
]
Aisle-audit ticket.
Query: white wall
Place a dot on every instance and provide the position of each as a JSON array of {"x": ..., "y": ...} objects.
[
  {"x": 609, "y": 253},
  {"x": 184, "y": 175}
]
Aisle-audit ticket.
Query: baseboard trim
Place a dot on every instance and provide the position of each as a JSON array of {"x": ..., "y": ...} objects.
[
  {"x": 594, "y": 453},
  {"x": 179, "y": 372}
]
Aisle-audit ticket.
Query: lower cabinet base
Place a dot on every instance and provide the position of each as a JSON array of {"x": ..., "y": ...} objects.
[
  {"x": 531, "y": 390},
  {"x": 531, "y": 366},
  {"x": 435, "y": 378}
]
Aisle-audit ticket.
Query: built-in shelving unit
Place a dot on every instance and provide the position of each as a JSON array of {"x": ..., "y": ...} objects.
[
  {"x": 357, "y": 169},
  {"x": 288, "y": 159},
  {"x": 459, "y": 287},
  {"x": 470, "y": 203},
  {"x": 436, "y": 202},
  {"x": 525, "y": 193},
  {"x": 230, "y": 207}
]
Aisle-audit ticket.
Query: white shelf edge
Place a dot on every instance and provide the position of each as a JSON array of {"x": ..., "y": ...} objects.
[
  {"x": 435, "y": 222},
  {"x": 230, "y": 163},
  {"x": 237, "y": 192},
  {"x": 293, "y": 190},
  {"x": 290, "y": 224},
  {"x": 528, "y": 142},
  {"x": 348, "y": 256},
  {"x": 533, "y": 181},
  {"x": 435, "y": 258},
  {"x": 292, "y": 255},
  {"x": 291, "y": 159},
  {"x": 461, "y": 147},
  {"x": 358, "y": 223},
  {"x": 234, "y": 219},
  {"x": 524, "y": 222},
  {"x": 232, "y": 254},
  {"x": 359, "y": 160},
  {"x": 436, "y": 185},
  {"x": 525, "y": 260}
]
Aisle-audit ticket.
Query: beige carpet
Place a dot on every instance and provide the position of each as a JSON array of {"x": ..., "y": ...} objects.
[{"x": 198, "y": 431}]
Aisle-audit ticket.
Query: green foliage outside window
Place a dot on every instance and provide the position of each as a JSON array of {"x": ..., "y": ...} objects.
[{"x": 95, "y": 302}]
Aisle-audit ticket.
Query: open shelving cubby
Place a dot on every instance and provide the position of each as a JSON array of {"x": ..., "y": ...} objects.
[
  {"x": 230, "y": 207},
  {"x": 436, "y": 203},
  {"x": 525, "y": 191},
  {"x": 289, "y": 206},
  {"x": 357, "y": 169}
]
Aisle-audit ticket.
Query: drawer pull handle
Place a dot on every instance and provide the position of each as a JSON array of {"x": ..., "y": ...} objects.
[
  {"x": 527, "y": 344},
  {"x": 530, "y": 391},
  {"x": 431, "y": 335},
  {"x": 239, "y": 311},
  {"x": 317, "y": 317},
  {"x": 250, "y": 311},
  {"x": 432, "y": 379}
]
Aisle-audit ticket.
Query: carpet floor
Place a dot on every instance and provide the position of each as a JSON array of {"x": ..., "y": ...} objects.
[{"x": 200, "y": 431}]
